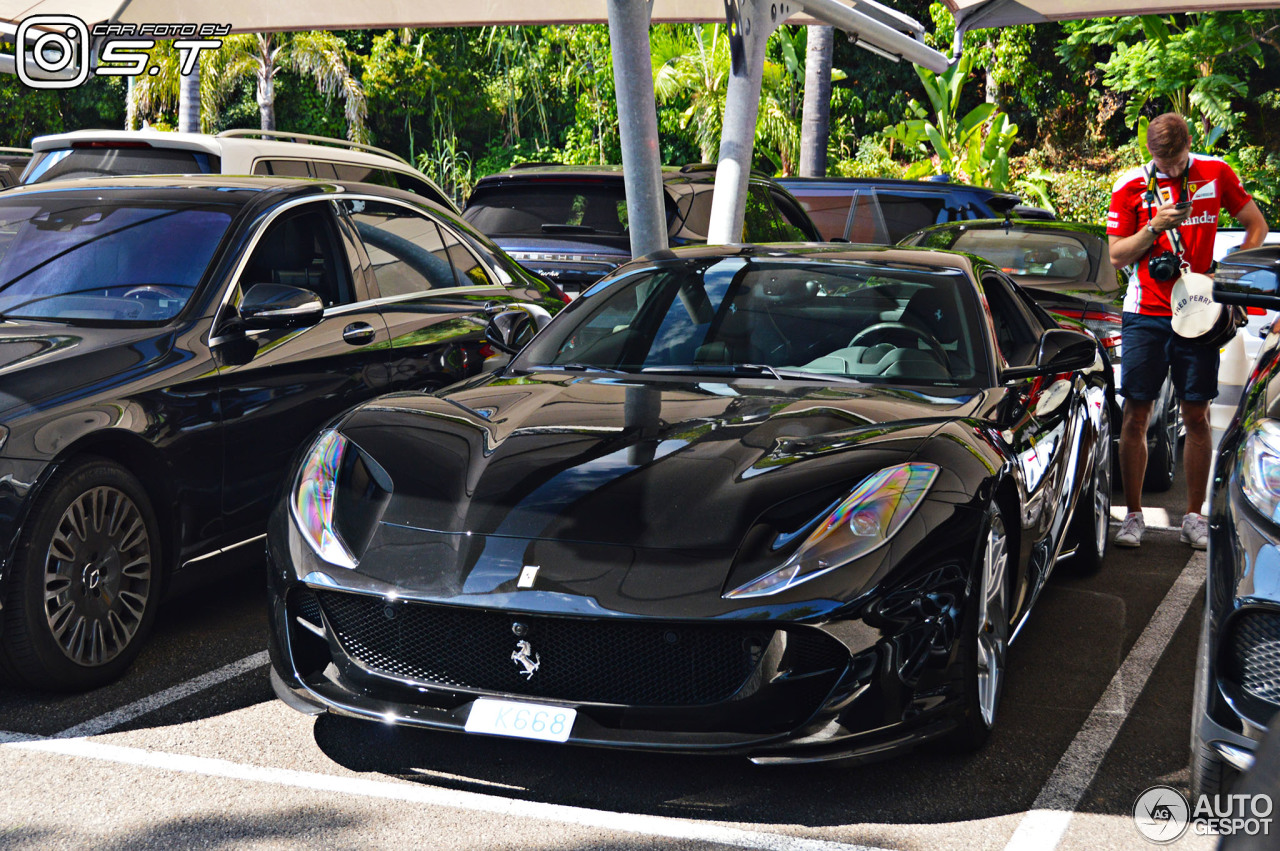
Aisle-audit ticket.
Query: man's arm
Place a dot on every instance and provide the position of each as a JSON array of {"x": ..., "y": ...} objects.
[
  {"x": 1127, "y": 250},
  {"x": 1255, "y": 225}
]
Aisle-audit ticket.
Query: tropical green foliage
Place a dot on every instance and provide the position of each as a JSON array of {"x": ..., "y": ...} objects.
[
  {"x": 1052, "y": 111},
  {"x": 974, "y": 148}
]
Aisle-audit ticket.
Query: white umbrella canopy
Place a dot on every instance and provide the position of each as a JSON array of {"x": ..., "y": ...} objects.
[
  {"x": 980, "y": 14},
  {"x": 260, "y": 16}
]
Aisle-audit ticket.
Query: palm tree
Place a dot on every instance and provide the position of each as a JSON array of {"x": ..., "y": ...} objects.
[
  {"x": 693, "y": 63},
  {"x": 318, "y": 54}
]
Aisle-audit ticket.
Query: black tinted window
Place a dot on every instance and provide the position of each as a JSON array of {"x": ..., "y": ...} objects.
[
  {"x": 299, "y": 250},
  {"x": 903, "y": 214},
  {"x": 549, "y": 208},
  {"x": 408, "y": 251},
  {"x": 284, "y": 168},
  {"x": 96, "y": 162}
]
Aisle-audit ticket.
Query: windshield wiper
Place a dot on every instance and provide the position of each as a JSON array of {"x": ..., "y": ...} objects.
[
  {"x": 550, "y": 227},
  {"x": 779, "y": 373},
  {"x": 577, "y": 367}
]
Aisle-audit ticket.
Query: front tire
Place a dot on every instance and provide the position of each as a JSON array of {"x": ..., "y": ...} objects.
[
  {"x": 1090, "y": 526},
  {"x": 85, "y": 582},
  {"x": 984, "y": 639}
]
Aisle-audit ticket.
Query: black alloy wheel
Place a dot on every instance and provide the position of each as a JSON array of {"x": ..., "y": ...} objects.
[
  {"x": 984, "y": 639},
  {"x": 1162, "y": 447},
  {"x": 1089, "y": 527},
  {"x": 86, "y": 580}
]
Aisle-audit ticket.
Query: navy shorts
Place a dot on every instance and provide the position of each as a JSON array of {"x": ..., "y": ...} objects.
[{"x": 1149, "y": 349}]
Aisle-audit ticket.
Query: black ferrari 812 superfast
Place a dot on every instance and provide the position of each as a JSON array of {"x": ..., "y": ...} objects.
[{"x": 789, "y": 502}]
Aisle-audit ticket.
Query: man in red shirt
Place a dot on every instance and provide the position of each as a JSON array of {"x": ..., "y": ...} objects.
[{"x": 1171, "y": 204}]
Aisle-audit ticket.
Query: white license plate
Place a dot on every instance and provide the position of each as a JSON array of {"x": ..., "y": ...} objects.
[{"x": 522, "y": 720}]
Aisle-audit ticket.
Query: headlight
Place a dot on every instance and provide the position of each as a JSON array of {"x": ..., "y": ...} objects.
[
  {"x": 864, "y": 522},
  {"x": 338, "y": 499},
  {"x": 1260, "y": 468}
]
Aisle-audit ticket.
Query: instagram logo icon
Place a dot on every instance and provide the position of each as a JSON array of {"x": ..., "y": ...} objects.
[{"x": 52, "y": 51}]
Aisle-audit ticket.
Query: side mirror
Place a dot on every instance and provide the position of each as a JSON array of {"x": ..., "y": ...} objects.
[
  {"x": 1250, "y": 278},
  {"x": 1061, "y": 350},
  {"x": 510, "y": 330},
  {"x": 280, "y": 306}
]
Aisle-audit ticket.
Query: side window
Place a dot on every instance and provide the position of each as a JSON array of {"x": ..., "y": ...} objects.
[
  {"x": 469, "y": 270},
  {"x": 866, "y": 220},
  {"x": 410, "y": 252},
  {"x": 759, "y": 224},
  {"x": 282, "y": 168},
  {"x": 417, "y": 186},
  {"x": 791, "y": 223},
  {"x": 906, "y": 213},
  {"x": 1016, "y": 330},
  {"x": 300, "y": 249}
]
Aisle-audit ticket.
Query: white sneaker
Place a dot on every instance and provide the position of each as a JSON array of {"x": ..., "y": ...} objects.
[
  {"x": 1130, "y": 534},
  {"x": 1195, "y": 530}
]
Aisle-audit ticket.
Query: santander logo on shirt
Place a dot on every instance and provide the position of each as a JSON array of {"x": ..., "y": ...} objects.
[{"x": 1205, "y": 218}]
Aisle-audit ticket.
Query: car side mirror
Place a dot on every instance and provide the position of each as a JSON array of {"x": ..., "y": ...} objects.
[
  {"x": 280, "y": 306},
  {"x": 510, "y": 330},
  {"x": 1060, "y": 350},
  {"x": 1250, "y": 278}
]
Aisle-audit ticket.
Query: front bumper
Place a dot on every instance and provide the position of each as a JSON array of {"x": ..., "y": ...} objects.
[
  {"x": 1241, "y": 679},
  {"x": 781, "y": 691}
]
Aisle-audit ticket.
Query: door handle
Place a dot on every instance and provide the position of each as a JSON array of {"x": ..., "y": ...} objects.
[{"x": 358, "y": 333}]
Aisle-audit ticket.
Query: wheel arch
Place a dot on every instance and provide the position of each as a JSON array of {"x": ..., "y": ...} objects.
[{"x": 146, "y": 463}]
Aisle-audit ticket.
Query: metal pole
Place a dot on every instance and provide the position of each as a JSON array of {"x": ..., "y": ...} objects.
[
  {"x": 638, "y": 124},
  {"x": 756, "y": 20}
]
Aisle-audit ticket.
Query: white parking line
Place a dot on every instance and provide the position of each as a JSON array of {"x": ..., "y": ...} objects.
[
  {"x": 1043, "y": 827},
  {"x": 645, "y": 825},
  {"x": 116, "y": 717}
]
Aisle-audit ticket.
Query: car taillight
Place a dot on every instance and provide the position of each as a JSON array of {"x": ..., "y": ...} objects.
[{"x": 1105, "y": 326}]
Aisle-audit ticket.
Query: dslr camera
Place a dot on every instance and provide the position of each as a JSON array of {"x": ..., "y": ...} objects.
[{"x": 1165, "y": 266}]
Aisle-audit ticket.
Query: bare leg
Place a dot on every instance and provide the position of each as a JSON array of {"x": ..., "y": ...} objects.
[
  {"x": 1133, "y": 450},
  {"x": 1197, "y": 453}
]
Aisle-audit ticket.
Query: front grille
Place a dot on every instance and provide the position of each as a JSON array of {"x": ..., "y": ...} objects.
[
  {"x": 635, "y": 663},
  {"x": 1254, "y": 655}
]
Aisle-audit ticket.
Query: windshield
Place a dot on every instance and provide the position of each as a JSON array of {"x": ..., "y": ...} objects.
[
  {"x": 104, "y": 262},
  {"x": 1024, "y": 254},
  {"x": 832, "y": 320}
]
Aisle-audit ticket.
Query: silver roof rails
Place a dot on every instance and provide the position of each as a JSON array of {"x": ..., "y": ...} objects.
[{"x": 306, "y": 138}]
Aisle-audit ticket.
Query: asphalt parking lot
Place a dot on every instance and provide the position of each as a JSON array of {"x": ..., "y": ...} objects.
[{"x": 191, "y": 749}]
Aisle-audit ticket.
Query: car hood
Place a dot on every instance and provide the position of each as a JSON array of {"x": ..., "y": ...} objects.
[
  {"x": 40, "y": 360},
  {"x": 688, "y": 465}
]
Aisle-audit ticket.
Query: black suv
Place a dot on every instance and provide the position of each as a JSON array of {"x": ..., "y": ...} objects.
[
  {"x": 569, "y": 223},
  {"x": 882, "y": 211}
]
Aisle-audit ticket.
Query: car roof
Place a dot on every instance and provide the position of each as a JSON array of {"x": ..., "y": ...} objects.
[
  {"x": 247, "y": 143},
  {"x": 691, "y": 173},
  {"x": 209, "y": 189}
]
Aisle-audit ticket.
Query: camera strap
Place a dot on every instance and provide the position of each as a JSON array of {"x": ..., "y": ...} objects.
[{"x": 1153, "y": 195}]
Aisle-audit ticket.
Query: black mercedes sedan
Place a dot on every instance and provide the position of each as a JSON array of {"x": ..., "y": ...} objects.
[
  {"x": 166, "y": 345},
  {"x": 1237, "y": 692},
  {"x": 781, "y": 501}
]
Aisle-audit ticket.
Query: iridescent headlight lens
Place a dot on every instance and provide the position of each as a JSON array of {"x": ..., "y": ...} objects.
[
  {"x": 862, "y": 523},
  {"x": 1260, "y": 468},
  {"x": 313, "y": 497}
]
